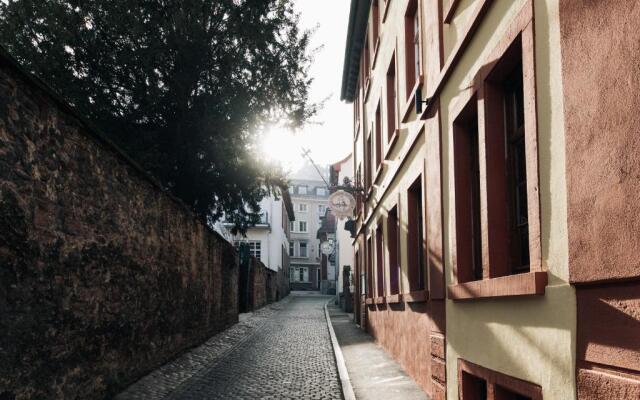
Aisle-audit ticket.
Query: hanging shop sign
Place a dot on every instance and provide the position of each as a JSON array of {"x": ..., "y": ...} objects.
[
  {"x": 327, "y": 247},
  {"x": 342, "y": 204}
]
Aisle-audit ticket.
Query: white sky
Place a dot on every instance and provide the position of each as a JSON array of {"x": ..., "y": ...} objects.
[{"x": 329, "y": 136}]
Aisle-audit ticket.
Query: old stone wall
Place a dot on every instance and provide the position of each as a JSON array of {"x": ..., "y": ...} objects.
[
  {"x": 103, "y": 276},
  {"x": 264, "y": 284}
]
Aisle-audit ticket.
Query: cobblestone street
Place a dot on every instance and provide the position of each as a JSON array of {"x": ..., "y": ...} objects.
[{"x": 282, "y": 351}]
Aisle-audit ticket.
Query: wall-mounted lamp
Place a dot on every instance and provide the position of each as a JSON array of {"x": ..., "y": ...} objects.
[{"x": 420, "y": 102}]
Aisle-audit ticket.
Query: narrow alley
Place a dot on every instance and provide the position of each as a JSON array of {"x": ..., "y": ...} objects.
[{"x": 282, "y": 351}]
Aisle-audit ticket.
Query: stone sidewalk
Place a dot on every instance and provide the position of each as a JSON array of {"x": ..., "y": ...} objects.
[
  {"x": 374, "y": 375},
  {"x": 282, "y": 351}
]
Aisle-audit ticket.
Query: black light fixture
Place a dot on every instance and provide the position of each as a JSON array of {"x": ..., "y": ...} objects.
[
  {"x": 420, "y": 102},
  {"x": 350, "y": 225}
]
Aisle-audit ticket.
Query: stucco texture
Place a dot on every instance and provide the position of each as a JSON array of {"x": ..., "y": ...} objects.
[
  {"x": 528, "y": 338},
  {"x": 601, "y": 66}
]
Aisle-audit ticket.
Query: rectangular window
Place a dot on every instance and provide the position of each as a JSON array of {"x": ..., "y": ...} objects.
[
  {"x": 379, "y": 261},
  {"x": 506, "y": 166},
  {"x": 303, "y": 249},
  {"x": 321, "y": 191},
  {"x": 392, "y": 100},
  {"x": 255, "y": 247},
  {"x": 478, "y": 382},
  {"x": 366, "y": 65},
  {"x": 517, "y": 171},
  {"x": 368, "y": 163},
  {"x": 356, "y": 108},
  {"x": 321, "y": 209},
  {"x": 375, "y": 13},
  {"x": 292, "y": 247},
  {"x": 508, "y": 160},
  {"x": 378, "y": 138},
  {"x": 302, "y": 190},
  {"x": 359, "y": 199},
  {"x": 413, "y": 68},
  {"x": 283, "y": 212},
  {"x": 473, "y": 388},
  {"x": 369, "y": 268},
  {"x": 303, "y": 226},
  {"x": 415, "y": 238},
  {"x": 292, "y": 226},
  {"x": 467, "y": 189},
  {"x": 299, "y": 274},
  {"x": 356, "y": 258},
  {"x": 394, "y": 253},
  {"x": 302, "y": 207}
]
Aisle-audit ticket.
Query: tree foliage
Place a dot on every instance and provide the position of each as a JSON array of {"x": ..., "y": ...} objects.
[{"x": 181, "y": 85}]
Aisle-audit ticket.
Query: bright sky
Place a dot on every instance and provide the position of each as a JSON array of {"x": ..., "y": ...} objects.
[{"x": 329, "y": 135}]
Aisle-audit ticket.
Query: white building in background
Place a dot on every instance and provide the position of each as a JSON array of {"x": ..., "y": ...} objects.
[
  {"x": 269, "y": 240},
  {"x": 309, "y": 194}
]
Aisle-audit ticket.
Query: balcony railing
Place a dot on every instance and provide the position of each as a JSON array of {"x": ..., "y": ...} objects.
[{"x": 264, "y": 221}]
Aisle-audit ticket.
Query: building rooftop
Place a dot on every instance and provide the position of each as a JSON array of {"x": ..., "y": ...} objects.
[{"x": 358, "y": 17}]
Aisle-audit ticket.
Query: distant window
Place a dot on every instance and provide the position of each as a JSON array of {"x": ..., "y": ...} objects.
[
  {"x": 375, "y": 11},
  {"x": 412, "y": 46},
  {"x": 321, "y": 191},
  {"x": 378, "y": 139},
  {"x": 379, "y": 261},
  {"x": 303, "y": 226},
  {"x": 303, "y": 249},
  {"x": 292, "y": 226},
  {"x": 300, "y": 274},
  {"x": 254, "y": 247},
  {"x": 394, "y": 250},
  {"x": 366, "y": 65},
  {"x": 416, "y": 261},
  {"x": 367, "y": 162},
  {"x": 302, "y": 190},
  {"x": 302, "y": 207},
  {"x": 291, "y": 249},
  {"x": 321, "y": 209},
  {"x": 392, "y": 99},
  {"x": 291, "y": 189}
]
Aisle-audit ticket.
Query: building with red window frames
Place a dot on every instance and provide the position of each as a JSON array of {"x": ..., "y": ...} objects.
[{"x": 497, "y": 144}]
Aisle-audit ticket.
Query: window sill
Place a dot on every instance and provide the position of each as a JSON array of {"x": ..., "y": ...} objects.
[
  {"x": 528, "y": 284},
  {"x": 410, "y": 101},
  {"x": 418, "y": 296},
  {"x": 392, "y": 142},
  {"x": 394, "y": 298},
  {"x": 379, "y": 300}
]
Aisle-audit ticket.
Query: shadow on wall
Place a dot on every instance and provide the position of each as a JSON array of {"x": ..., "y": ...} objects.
[{"x": 489, "y": 333}]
